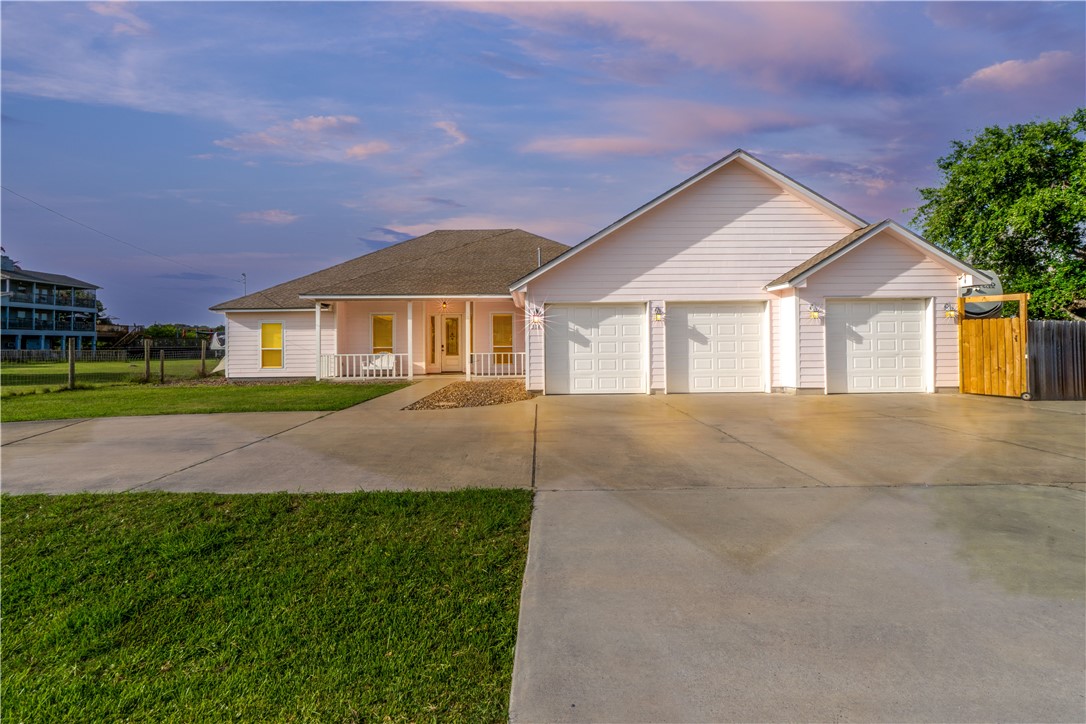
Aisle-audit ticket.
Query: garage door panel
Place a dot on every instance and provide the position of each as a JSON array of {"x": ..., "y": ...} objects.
[
  {"x": 715, "y": 347},
  {"x": 594, "y": 348},
  {"x": 875, "y": 346}
]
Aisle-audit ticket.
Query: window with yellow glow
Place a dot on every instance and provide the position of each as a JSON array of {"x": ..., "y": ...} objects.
[
  {"x": 382, "y": 333},
  {"x": 502, "y": 336},
  {"x": 271, "y": 345}
]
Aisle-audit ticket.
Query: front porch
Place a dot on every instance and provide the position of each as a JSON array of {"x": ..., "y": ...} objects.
[{"x": 407, "y": 338}]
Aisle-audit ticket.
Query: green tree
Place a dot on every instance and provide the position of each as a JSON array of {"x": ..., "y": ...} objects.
[
  {"x": 103, "y": 316},
  {"x": 1014, "y": 200},
  {"x": 161, "y": 331}
]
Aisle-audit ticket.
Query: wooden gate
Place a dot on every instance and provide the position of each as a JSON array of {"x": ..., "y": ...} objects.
[{"x": 993, "y": 353}]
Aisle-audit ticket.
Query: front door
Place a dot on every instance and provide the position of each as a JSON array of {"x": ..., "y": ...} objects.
[{"x": 452, "y": 359}]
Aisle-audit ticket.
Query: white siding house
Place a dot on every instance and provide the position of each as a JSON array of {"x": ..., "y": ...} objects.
[
  {"x": 747, "y": 281},
  {"x": 739, "y": 279}
]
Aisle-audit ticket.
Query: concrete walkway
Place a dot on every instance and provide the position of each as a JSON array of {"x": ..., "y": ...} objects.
[
  {"x": 707, "y": 558},
  {"x": 373, "y": 446}
]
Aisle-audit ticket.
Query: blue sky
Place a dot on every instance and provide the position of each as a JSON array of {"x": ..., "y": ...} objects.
[{"x": 275, "y": 139}]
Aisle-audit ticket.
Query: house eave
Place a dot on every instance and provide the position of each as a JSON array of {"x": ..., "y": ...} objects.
[
  {"x": 387, "y": 297},
  {"x": 926, "y": 248},
  {"x": 264, "y": 310}
]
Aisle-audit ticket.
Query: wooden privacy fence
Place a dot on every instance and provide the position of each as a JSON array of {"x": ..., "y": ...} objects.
[
  {"x": 1057, "y": 360},
  {"x": 993, "y": 353}
]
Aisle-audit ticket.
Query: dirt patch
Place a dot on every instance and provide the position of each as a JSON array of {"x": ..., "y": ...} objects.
[{"x": 474, "y": 394}]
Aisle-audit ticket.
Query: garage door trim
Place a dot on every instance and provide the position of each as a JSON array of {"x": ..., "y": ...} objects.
[
  {"x": 765, "y": 369},
  {"x": 643, "y": 339},
  {"x": 927, "y": 344}
]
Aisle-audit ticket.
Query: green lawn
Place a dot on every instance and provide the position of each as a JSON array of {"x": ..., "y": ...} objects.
[
  {"x": 113, "y": 401},
  {"x": 197, "y": 607},
  {"x": 24, "y": 376}
]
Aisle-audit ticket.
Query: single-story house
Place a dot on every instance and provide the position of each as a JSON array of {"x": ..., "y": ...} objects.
[{"x": 739, "y": 279}]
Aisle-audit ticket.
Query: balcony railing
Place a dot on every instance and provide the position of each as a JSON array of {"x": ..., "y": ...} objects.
[
  {"x": 364, "y": 366},
  {"x": 498, "y": 364},
  {"x": 49, "y": 325},
  {"x": 59, "y": 299}
]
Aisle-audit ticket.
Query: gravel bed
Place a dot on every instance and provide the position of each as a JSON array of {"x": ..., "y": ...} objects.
[{"x": 474, "y": 394}]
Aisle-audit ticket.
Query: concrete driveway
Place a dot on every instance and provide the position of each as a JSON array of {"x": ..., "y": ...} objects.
[{"x": 708, "y": 558}]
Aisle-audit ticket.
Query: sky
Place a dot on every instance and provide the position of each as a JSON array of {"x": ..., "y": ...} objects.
[{"x": 212, "y": 140}]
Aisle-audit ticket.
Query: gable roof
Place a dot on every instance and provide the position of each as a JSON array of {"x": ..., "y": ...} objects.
[
  {"x": 442, "y": 263},
  {"x": 835, "y": 251},
  {"x": 737, "y": 156}
]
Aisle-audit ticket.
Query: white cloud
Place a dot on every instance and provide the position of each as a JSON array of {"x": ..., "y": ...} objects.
[
  {"x": 128, "y": 23},
  {"x": 774, "y": 45},
  {"x": 459, "y": 137},
  {"x": 313, "y": 138},
  {"x": 360, "y": 151},
  {"x": 1013, "y": 75},
  {"x": 663, "y": 126},
  {"x": 273, "y": 217}
]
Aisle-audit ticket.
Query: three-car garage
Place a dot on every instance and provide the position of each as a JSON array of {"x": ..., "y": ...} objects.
[{"x": 871, "y": 345}]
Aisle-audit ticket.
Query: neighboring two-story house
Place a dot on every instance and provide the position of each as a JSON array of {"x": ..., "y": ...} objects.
[{"x": 46, "y": 311}]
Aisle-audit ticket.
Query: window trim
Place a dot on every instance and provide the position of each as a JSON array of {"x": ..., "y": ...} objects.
[
  {"x": 282, "y": 344},
  {"x": 392, "y": 349}
]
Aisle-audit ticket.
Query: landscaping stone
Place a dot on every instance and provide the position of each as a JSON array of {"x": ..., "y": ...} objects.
[{"x": 474, "y": 394}]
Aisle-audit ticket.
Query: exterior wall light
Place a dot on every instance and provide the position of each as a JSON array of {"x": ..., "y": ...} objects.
[
  {"x": 657, "y": 314},
  {"x": 950, "y": 311},
  {"x": 535, "y": 317},
  {"x": 815, "y": 311},
  {"x": 444, "y": 305}
]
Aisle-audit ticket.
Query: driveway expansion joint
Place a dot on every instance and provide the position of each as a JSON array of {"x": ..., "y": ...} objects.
[
  {"x": 231, "y": 450},
  {"x": 733, "y": 438},
  {"x": 46, "y": 432}
]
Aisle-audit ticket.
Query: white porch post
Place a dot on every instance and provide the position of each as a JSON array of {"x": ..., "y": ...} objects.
[
  {"x": 410, "y": 341},
  {"x": 317, "y": 326},
  {"x": 468, "y": 347}
]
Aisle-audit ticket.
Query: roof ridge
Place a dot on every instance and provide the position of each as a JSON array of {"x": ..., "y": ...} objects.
[{"x": 417, "y": 259}]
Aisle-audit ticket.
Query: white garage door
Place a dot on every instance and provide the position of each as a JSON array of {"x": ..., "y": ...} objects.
[
  {"x": 595, "y": 348},
  {"x": 875, "y": 345},
  {"x": 715, "y": 347}
]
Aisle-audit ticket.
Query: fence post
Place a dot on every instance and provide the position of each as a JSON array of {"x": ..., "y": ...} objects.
[
  {"x": 203, "y": 358},
  {"x": 161, "y": 366},
  {"x": 71, "y": 366},
  {"x": 146, "y": 360}
]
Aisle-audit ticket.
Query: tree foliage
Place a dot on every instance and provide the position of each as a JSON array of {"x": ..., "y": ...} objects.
[{"x": 1014, "y": 200}]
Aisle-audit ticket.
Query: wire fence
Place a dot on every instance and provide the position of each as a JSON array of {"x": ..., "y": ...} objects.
[{"x": 26, "y": 370}]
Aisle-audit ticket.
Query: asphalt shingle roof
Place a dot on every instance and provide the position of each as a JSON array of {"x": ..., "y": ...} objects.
[
  {"x": 452, "y": 262},
  {"x": 60, "y": 280}
]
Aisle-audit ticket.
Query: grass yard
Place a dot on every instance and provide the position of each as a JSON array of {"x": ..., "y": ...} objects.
[
  {"x": 113, "y": 401},
  {"x": 199, "y": 607},
  {"x": 28, "y": 376}
]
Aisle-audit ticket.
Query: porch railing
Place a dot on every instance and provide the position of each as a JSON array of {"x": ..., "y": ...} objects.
[
  {"x": 363, "y": 366},
  {"x": 497, "y": 364}
]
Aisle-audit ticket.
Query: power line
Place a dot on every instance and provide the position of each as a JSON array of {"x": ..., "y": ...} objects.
[{"x": 122, "y": 241}]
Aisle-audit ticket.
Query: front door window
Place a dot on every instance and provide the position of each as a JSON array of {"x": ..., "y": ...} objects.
[{"x": 452, "y": 336}]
